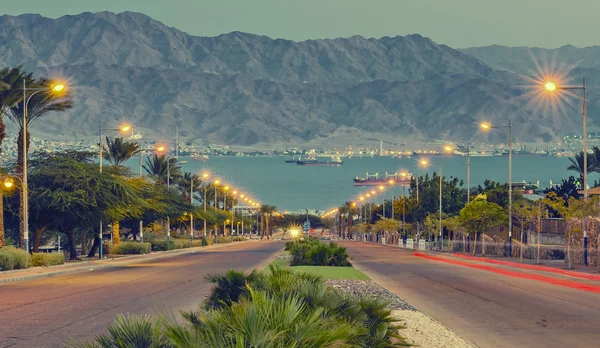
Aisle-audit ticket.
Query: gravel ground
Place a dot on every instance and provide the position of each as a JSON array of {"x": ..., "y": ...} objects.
[
  {"x": 423, "y": 331},
  {"x": 420, "y": 329},
  {"x": 371, "y": 289}
]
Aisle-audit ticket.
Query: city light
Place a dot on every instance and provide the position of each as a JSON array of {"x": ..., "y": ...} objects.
[
  {"x": 550, "y": 86},
  {"x": 485, "y": 126},
  {"x": 205, "y": 175},
  {"x": 58, "y": 88},
  {"x": 125, "y": 128},
  {"x": 8, "y": 182},
  {"x": 160, "y": 149}
]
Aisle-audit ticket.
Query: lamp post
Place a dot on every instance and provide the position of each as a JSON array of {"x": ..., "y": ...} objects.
[
  {"x": 382, "y": 189},
  {"x": 487, "y": 126},
  {"x": 162, "y": 149},
  {"x": 56, "y": 88},
  {"x": 233, "y": 211},
  {"x": 192, "y": 208},
  {"x": 404, "y": 177},
  {"x": 427, "y": 163},
  {"x": 466, "y": 144},
  {"x": 553, "y": 87},
  {"x": 205, "y": 176}
]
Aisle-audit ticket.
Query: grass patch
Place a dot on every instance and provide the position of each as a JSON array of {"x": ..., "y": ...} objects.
[{"x": 327, "y": 272}]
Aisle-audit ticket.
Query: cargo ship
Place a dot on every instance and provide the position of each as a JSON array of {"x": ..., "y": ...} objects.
[
  {"x": 334, "y": 162},
  {"x": 202, "y": 158},
  {"x": 375, "y": 180},
  {"x": 293, "y": 159}
]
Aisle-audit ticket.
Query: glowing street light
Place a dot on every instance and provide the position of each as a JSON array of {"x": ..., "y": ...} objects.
[
  {"x": 552, "y": 87},
  {"x": 8, "y": 182}
]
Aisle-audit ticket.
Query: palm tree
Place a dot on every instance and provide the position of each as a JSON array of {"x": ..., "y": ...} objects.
[
  {"x": 577, "y": 164},
  {"x": 156, "y": 168},
  {"x": 39, "y": 105},
  {"x": 9, "y": 96},
  {"x": 189, "y": 182},
  {"x": 267, "y": 211},
  {"x": 119, "y": 151}
]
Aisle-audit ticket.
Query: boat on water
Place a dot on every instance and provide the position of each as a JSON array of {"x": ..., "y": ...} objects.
[
  {"x": 334, "y": 162},
  {"x": 375, "y": 180},
  {"x": 202, "y": 158},
  {"x": 293, "y": 160}
]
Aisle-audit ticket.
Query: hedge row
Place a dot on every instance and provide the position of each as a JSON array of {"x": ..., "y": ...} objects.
[{"x": 14, "y": 258}]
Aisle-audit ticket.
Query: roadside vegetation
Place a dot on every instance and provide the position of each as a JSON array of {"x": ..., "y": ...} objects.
[{"x": 278, "y": 308}]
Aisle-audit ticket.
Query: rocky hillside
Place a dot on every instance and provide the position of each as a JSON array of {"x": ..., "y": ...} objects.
[{"x": 245, "y": 89}]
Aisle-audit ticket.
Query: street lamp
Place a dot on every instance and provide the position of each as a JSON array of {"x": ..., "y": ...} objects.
[
  {"x": 216, "y": 182},
  {"x": 426, "y": 163},
  {"x": 163, "y": 150},
  {"x": 404, "y": 176},
  {"x": 56, "y": 89},
  {"x": 486, "y": 127},
  {"x": 450, "y": 149},
  {"x": 205, "y": 176},
  {"x": 382, "y": 189},
  {"x": 553, "y": 87}
]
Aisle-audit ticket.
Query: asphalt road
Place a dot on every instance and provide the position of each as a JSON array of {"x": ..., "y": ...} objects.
[
  {"x": 485, "y": 308},
  {"x": 46, "y": 312}
]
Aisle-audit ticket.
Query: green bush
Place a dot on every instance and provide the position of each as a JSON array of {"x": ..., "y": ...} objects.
[
  {"x": 281, "y": 308},
  {"x": 239, "y": 238},
  {"x": 47, "y": 259},
  {"x": 223, "y": 240},
  {"x": 21, "y": 257},
  {"x": 183, "y": 243},
  {"x": 7, "y": 261},
  {"x": 197, "y": 243},
  {"x": 128, "y": 248},
  {"x": 163, "y": 245},
  {"x": 315, "y": 253}
]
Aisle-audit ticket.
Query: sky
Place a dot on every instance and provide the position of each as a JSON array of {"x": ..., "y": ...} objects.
[{"x": 457, "y": 23}]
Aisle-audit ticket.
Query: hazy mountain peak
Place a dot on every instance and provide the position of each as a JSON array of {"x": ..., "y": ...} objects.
[{"x": 243, "y": 88}]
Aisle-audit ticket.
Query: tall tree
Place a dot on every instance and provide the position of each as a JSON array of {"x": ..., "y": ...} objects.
[
  {"x": 71, "y": 196},
  {"x": 267, "y": 212},
  {"x": 39, "y": 105},
  {"x": 479, "y": 216},
  {"x": 11, "y": 94},
  {"x": 158, "y": 166},
  {"x": 577, "y": 164},
  {"x": 118, "y": 151}
]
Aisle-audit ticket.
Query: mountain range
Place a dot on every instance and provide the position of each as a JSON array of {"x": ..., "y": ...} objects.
[{"x": 245, "y": 89}]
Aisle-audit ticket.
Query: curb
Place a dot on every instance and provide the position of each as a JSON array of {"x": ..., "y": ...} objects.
[{"x": 91, "y": 266}]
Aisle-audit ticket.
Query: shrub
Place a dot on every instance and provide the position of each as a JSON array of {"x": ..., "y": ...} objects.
[
  {"x": 7, "y": 261},
  {"x": 163, "y": 245},
  {"x": 183, "y": 243},
  {"x": 277, "y": 309},
  {"x": 315, "y": 253},
  {"x": 127, "y": 248},
  {"x": 222, "y": 240},
  {"x": 20, "y": 256},
  {"x": 197, "y": 243},
  {"x": 208, "y": 241},
  {"x": 47, "y": 259},
  {"x": 229, "y": 287},
  {"x": 239, "y": 239}
]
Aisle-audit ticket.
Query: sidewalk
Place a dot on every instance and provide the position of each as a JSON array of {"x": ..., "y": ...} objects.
[{"x": 94, "y": 264}]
